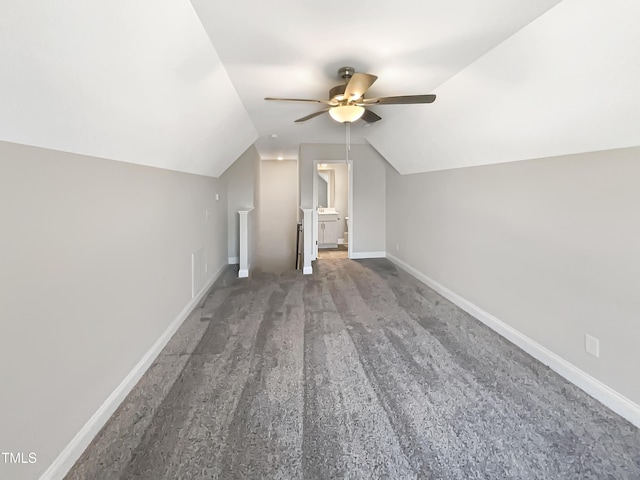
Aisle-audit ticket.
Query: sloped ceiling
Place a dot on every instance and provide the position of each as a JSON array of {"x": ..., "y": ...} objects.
[
  {"x": 180, "y": 85},
  {"x": 567, "y": 83},
  {"x": 288, "y": 48},
  {"x": 134, "y": 81}
]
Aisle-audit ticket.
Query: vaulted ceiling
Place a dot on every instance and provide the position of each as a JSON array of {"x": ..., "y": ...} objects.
[{"x": 180, "y": 85}]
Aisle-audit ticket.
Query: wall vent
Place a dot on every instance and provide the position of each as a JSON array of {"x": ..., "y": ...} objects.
[{"x": 198, "y": 269}]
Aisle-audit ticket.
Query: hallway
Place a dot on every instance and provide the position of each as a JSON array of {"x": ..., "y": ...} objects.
[{"x": 358, "y": 371}]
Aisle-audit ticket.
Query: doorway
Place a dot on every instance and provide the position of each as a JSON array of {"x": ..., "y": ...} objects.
[{"x": 332, "y": 209}]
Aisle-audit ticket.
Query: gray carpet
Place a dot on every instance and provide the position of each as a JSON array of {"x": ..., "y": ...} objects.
[{"x": 356, "y": 372}]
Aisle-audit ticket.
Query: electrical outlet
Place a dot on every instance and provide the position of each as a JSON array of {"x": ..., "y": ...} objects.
[
  {"x": 592, "y": 345},
  {"x": 397, "y": 247},
  {"x": 217, "y": 196}
]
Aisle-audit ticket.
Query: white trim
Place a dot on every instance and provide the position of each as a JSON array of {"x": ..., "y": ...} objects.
[
  {"x": 246, "y": 243},
  {"x": 234, "y": 260},
  {"x": 314, "y": 197},
  {"x": 307, "y": 247},
  {"x": 594, "y": 387},
  {"x": 63, "y": 463},
  {"x": 359, "y": 255},
  {"x": 314, "y": 206}
]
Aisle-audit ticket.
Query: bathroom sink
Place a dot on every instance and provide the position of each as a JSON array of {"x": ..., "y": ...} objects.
[{"x": 327, "y": 216}]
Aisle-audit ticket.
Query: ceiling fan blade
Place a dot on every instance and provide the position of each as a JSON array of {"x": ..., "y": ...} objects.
[
  {"x": 400, "y": 100},
  {"x": 358, "y": 84},
  {"x": 314, "y": 114},
  {"x": 370, "y": 117},
  {"x": 326, "y": 102}
]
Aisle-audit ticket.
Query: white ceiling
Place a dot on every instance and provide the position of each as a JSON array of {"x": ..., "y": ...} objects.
[
  {"x": 144, "y": 82},
  {"x": 136, "y": 81},
  {"x": 288, "y": 48},
  {"x": 567, "y": 83}
]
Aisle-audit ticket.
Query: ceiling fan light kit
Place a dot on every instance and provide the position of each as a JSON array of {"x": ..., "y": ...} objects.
[
  {"x": 347, "y": 104},
  {"x": 346, "y": 113}
]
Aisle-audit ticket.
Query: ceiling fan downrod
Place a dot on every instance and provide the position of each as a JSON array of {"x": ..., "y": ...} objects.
[{"x": 346, "y": 73}]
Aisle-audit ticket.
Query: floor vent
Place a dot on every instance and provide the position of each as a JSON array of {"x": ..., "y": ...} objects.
[{"x": 197, "y": 272}]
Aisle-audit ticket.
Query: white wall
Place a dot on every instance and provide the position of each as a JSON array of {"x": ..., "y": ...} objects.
[
  {"x": 550, "y": 246},
  {"x": 278, "y": 215},
  {"x": 368, "y": 219},
  {"x": 96, "y": 264},
  {"x": 242, "y": 179}
]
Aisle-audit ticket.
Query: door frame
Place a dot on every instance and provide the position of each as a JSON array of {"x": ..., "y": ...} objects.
[{"x": 349, "y": 201}]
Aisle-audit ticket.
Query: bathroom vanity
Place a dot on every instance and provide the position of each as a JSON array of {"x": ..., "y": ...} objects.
[{"x": 327, "y": 228}]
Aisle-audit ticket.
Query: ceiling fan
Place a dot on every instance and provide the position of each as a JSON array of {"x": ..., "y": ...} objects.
[{"x": 347, "y": 102}]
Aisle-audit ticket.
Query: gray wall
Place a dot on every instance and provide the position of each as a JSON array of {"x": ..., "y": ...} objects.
[
  {"x": 278, "y": 215},
  {"x": 341, "y": 194},
  {"x": 96, "y": 264},
  {"x": 242, "y": 179},
  {"x": 549, "y": 246},
  {"x": 368, "y": 219}
]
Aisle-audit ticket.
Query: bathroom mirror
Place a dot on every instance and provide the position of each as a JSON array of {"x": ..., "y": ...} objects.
[{"x": 326, "y": 187}]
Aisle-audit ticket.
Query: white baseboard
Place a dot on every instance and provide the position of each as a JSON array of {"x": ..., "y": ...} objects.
[
  {"x": 307, "y": 270},
  {"x": 234, "y": 260},
  {"x": 594, "y": 387},
  {"x": 243, "y": 273},
  {"x": 63, "y": 463},
  {"x": 360, "y": 255}
]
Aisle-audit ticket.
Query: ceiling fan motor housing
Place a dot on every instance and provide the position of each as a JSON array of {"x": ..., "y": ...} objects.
[{"x": 337, "y": 92}]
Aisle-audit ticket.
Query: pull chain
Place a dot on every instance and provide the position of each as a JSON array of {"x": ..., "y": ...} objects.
[{"x": 348, "y": 124}]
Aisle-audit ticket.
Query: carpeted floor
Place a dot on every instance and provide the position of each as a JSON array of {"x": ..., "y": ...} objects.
[{"x": 356, "y": 372}]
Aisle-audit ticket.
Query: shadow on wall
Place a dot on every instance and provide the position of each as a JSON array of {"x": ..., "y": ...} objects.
[{"x": 278, "y": 215}]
